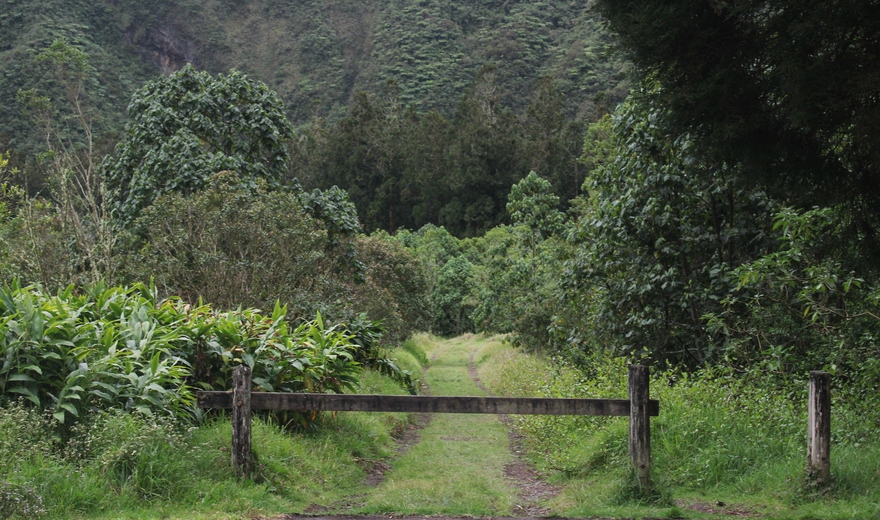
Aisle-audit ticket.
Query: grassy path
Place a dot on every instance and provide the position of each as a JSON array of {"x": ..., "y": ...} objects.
[{"x": 458, "y": 467}]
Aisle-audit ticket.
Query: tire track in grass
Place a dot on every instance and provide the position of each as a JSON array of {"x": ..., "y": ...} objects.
[
  {"x": 458, "y": 467},
  {"x": 533, "y": 489}
]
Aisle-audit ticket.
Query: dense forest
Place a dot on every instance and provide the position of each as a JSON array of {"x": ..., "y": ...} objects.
[
  {"x": 317, "y": 55},
  {"x": 702, "y": 197}
]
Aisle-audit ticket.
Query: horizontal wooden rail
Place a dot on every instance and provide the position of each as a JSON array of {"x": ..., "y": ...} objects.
[
  {"x": 242, "y": 401},
  {"x": 426, "y": 404}
]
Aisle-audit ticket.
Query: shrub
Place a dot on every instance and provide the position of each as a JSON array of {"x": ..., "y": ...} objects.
[
  {"x": 232, "y": 244},
  {"x": 123, "y": 348},
  {"x": 395, "y": 287}
]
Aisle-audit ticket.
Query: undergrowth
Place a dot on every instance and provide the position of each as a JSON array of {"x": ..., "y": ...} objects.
[{"x": 122, "y": 464}]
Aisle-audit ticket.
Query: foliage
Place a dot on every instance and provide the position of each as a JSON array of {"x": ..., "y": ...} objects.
[
  {"x": 105, "y": 348},
  {"x": 799, "y": 308},
  {"x": 395, "y": 288},
  {"x": 365, "y": 334},
  {"x": 403, "y": 169},
  {"x": 655, "y": 241},
  {"x": 115, "y": 70},
  {"x": 116, "y": 463},
  {"x": 517, "y": 285},
  {"x": 433, "y": 246},
  {"x": 450, "y": 304},
  {"x": 721, "y": 433},
  {"x": 233, "y": 245},
  {"x": 533, "y": 205},
  {"x": 740, "y": 78},
  {"x": 124, "y": 348},
  {"x": 187, "y": 126},
  {"x": 70, "y": 163}
]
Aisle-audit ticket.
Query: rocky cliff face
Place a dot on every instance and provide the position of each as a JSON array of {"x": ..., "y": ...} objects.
[{"x": 165, "y": 46}]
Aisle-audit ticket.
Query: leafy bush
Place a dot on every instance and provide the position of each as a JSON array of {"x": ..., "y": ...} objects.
[
  {"x": 102, "y": 348},
  {"x": 233, "y": 245},
  {"x": 395, "y": 287},
  {"x": 124, "y": 348}
]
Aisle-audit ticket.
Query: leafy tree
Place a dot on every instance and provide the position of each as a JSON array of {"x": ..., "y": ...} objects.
[
  {"x": 485, "y": 159},
  {"x": 533, "y": 205},
  {"x": 190, "y": 125},
  {"x": 798, "y": 307},
  {"x": 517, "y": 286},
  {"x": 552, "y": 140},
  {"x": 517, "y": 283},
  {"x": 80, "y": 208},
  {"x": 450, "y": 298},
  {"x": 785, "y": 89},
  {"x": 656, "y": 241},
  {"x": 394, "y": 289},
  {"x": 433, "y": 246}
]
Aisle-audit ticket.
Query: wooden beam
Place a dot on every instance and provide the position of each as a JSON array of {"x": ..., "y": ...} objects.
[
  {"x": 427, "y": 404},
  {"x": 640, "y": 425},
  {"x": 819, "y": 427},
  {"x": 242, "y": 459}
]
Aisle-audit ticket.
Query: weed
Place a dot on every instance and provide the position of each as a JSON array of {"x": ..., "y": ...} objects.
[{"x": 20, "y": 501}]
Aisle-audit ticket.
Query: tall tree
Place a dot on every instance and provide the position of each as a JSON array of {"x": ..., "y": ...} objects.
[
  {"x": 552, "y": 141},
  {"x": 185, "y": 127},
  {"x": 656, "y": 242},
  {"x": 790, "y": 90}
]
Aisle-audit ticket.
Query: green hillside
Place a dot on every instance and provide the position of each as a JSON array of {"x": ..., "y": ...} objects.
[{"x": 316, "y": 54}]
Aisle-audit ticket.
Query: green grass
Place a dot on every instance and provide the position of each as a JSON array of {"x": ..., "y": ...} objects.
[
  {"x": 118, "y": 465},
  {"x": 718, "y": 438},
  {"x": 457, "y": 468}
]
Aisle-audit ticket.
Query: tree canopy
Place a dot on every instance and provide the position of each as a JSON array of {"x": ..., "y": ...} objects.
[
  {"x": 189, "y": 125},
  {"x": 786, "y": 90}
]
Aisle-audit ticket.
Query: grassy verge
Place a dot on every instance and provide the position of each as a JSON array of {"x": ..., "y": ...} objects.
[
  {"x": 118, "y": 465},
  {"x": 719, "y": 439}
]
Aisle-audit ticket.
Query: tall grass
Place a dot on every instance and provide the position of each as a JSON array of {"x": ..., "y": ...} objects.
[
  {"x": 742, "y": 437},
  {"x": 115, "y": 464}
]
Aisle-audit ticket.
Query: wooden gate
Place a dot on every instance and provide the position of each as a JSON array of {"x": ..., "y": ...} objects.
[{"x": 639, "y": 408}]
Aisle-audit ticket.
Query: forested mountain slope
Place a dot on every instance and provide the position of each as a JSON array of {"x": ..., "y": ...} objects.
[{"x": 316, "y": 54}]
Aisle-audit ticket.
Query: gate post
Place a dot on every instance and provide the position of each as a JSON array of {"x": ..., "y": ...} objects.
[
  {"x": 819, "y": 427},
  {"x": 639, "y": 424},
  {"x": 242, "y": 459}
]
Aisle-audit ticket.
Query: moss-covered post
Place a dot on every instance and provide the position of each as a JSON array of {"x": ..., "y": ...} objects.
[
  {"x": 242, "y": 459},
  {"x": 640, "y": 424}
]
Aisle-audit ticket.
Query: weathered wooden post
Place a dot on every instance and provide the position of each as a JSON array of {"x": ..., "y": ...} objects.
[
  {"x": 242, "y": 459},
  {"x": 819, "y": 427},
  {"x": 640, "y": 424}
]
